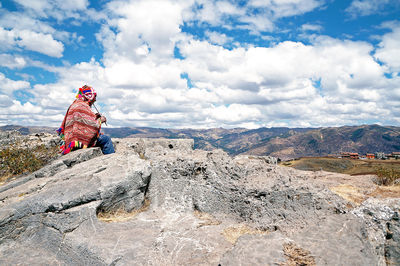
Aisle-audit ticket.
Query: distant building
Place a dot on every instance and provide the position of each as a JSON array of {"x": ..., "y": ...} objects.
[
  {"x": 370, "y": 156},
  {"x": 380, "y": 156},
  {"x": 396, "y": 154},
  {"x": 350, "y": 155}
]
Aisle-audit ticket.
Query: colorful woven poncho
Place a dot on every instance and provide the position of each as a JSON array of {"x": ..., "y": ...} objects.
[{"x": 80, "y": 127}]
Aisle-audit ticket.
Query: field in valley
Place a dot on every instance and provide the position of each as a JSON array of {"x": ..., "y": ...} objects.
[{"x": 345, "y": 166}]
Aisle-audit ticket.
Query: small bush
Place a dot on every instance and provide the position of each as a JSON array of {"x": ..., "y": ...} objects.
[
  {"x": 16, "y": 161},
  {"x": 387, "y": 176}
]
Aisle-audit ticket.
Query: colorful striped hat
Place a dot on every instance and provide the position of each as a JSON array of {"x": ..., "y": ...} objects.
[{"x": 87, "y": 92}]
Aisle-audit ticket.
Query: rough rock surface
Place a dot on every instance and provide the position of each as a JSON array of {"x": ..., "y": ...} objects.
[
  {"x": 8, "y": 138},
  {"x": 167, "y": 204}
]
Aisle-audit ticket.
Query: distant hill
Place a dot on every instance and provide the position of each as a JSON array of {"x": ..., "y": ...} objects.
[
  {"x": 26, "y": 130},
  {"x": 281, "y": 142}
]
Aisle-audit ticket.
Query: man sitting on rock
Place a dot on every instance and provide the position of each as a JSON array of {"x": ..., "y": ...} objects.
[{"x": 81, "y": 126}]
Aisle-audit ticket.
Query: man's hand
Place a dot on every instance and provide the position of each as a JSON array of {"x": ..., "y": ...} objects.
[{"x": 103, "y": 119}]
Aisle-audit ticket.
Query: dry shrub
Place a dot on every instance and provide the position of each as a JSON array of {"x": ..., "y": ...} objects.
[
  {"x": 120, "y": 215},
  {"x": 297, "y": 256},
  {"x": 386, "y": 176},
  {"x": 15, "y": 160},
  {"x": 233, "y": 233}
]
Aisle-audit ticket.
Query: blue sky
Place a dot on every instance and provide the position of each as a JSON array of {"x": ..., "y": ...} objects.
[{"x": 202, "y": 64}]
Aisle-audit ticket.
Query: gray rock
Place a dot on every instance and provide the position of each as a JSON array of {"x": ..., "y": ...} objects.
[{"x": 172, "y": 205}]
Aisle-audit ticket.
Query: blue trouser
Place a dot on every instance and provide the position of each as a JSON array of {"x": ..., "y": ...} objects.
[{"x": 105, "y": 143}]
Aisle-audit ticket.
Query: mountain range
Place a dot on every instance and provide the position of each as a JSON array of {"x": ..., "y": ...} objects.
[{"x": 282, "y": 142}]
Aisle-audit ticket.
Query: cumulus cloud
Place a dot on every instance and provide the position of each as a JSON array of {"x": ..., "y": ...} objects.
[
  {"x": 256, "y": 16},
  {"x": 5, "y": 101},
  {"x": 140, "y": 82},
  {"x": 366, "y": 7},
  {"x": 152, "y": 23},
  {"x": 23, "y": 109},
  {"x": 7, "y": 60},
  {"x": 389, "y": 49},
  {"x": 33, "y": 41},
  {"x": 38, "y": 42},
  {"x": 7, "y": 86},
  {"x": 233, "y": 113},
  {"x": 239, "y": 85},
  {"x": 58, "y": 9},
  {"x": 218, "y": 38},
  {"x": 18, "y": 21}
]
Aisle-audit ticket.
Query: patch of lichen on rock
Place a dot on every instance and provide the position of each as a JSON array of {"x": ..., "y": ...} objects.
[
  {"x": 233, "y": 233},
  {"x": 297, "y": 256},
  {"x": 206, "y": 218}
]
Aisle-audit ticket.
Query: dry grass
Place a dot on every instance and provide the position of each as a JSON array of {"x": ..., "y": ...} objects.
[
  {"x": 355, "y": 196},
  {"x": 387, "y": 176},
  {"x": 233, "y": 233},
  {"x": 297, "y": 256},
  {"x": 386, "y": 192},
  {"x": 120, "y": 215},
  {"x": 5, "y": 177},
  {"x": 207, "y": 218},
  {"x": 15, "y": 161},
  {"x": 388, "y": 171},
  {"x": 349, "y": 193}
]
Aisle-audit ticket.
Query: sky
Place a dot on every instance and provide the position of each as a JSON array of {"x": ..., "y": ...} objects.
[{"x": 202, "y": 63}]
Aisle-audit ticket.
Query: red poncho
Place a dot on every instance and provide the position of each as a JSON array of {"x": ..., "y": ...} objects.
[{"x": 80, "y": 126}]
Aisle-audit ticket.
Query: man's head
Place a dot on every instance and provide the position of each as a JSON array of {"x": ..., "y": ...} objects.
[{"x": 87, "y": 93}]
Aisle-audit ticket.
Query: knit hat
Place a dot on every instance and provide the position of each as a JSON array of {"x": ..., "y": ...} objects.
[{"x": 87, "y": 92}]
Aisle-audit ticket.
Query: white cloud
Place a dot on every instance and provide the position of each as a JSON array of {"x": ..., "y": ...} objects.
[
  {"x": 286, "y": 8},
  {"x": 7, "y": 86},
  {"x": 5, "y": 101},
  {"x": 213, "y": 12},
  {"x": 389, "y": 49},
  {"x": 366, "y": 7},
  {"x": 38, "y": 42},
  {"x": 139, "y": 82},
  {"x": 233, "y": 113},
  {"x": 33, "y": 41},
  {"x": 311, "y": 27},
  {"x": 218, "y": 38},
  {"x": 23, "y": 109},
  {"x": 256, "y": 16},
  {"x": 20, "y": 21},
  {"x": 153, "y": 23},
  {"x": 279, "y": 81},
  {"x": 12, "y": 62},
  {"x": 257, "y": 23},
  {"x": 58, "y": 9}
]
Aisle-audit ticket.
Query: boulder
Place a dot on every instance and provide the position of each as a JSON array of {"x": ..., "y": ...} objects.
[{"x": 159, "y": 202}]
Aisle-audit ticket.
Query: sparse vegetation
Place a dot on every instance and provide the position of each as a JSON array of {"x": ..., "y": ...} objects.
[
  {"x": 207, "y": 219},
  {"x": 120, "y": 214},
  {"x": 387, "y": 176},
  {"x": 15, "y": 160},
  {"x": 387, "y": 171},
  {"x": 233, "y": 233},
  {"x": 297, "y": 256}
]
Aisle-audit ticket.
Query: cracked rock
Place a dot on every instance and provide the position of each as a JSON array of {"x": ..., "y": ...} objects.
[{"x": 159, "y": 202}]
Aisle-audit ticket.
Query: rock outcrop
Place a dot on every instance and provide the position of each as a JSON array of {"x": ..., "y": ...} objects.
[
  {"x": 8, "y": 138},
  {"x": 159, "y": 202}
]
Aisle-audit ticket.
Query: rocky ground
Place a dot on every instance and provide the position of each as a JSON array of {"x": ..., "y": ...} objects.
[{"x": 159, "y": 202}]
